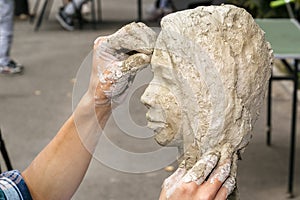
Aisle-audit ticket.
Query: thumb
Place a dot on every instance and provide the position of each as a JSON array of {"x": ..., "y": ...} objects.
[{"x": 135, "y": 63}]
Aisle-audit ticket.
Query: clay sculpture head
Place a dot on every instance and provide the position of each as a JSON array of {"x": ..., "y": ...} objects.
[{"x": 211, "y": 68}]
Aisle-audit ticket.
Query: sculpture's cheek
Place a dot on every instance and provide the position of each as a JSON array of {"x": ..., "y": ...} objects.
[
  {"x": 169, "y": 132},
  {"x": 164, "y": 136}
]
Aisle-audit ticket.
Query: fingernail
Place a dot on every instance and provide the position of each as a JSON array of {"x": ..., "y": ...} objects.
[
  {"x": 222, "y": 173},
  {"x": 229, "y": 185},
  {"x": 187, "y": 178},
  {"x": 97, "y": 40}
]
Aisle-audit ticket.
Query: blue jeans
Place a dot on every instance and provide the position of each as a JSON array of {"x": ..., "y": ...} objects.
[
  {"x": 71, "y": 7},
  {"x": 163, "y": 3},
  {"x": 6, "y": 29}
]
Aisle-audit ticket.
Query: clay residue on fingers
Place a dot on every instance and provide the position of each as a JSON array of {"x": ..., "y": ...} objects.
[
  {"x": 201, "y": 169},
  {"x": 221, "y": 172},
  {"x": 135, "y": 63},
  {"x": 174, "y": 181},
  {"x": 123, "y": 54}
]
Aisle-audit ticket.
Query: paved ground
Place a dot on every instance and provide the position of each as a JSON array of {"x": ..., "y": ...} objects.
[{"x": 33, "y": 107}]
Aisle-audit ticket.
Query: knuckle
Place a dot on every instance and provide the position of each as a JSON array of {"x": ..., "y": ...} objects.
[
  {"x": 205, "y": 196},
  {"x": 187, "y": 189}
]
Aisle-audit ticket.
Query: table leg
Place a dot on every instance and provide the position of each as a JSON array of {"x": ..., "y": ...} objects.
[
  {"x": 140, "y": 10},
  {"x": 45, "y": 10},
  {"x": 40, "y": 18},
  {"x": 94, "y": 20},
  {"x": 293, "y": 133},
  {"x": 99, "y": 9},
  {"x": 5, "y": 154},
  {"x": 34, "y": 11},
  {"x": 269, "y": 112}
]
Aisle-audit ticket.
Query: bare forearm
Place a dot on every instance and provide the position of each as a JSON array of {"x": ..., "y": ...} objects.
[{"x": 58, "y": 170}]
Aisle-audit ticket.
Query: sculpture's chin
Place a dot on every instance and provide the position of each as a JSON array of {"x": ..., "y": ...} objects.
[
  {"x": 166, "y": 139},
  {"x": 163, "y": 137},
  {"x": 161, "y": 142}
]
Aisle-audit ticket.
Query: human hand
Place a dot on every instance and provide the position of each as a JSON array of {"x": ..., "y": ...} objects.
[
  {"x": 116, "y": 60},
  {"x": 210, "y": 178}
]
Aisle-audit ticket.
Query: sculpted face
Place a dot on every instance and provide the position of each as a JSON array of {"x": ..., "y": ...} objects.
[
  {"x": 161, "y": 99},
  {"x": 211, "y": 67}
]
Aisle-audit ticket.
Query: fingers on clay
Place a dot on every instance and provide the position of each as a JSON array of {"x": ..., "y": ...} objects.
[
  {"x": 135, "y": 63},
  {"x": 99, "y": 40},
  {"x": 106, "y": 80},
  {"x": 173, "y": 181},
  {"x": 100, "y": 97},
  {"x": 174, "y": 178},
  {"x": 222, "y": 171},
  {"x": 230, "y": 183},
  {"x": 121, "y": 73},
  {"x": 110, "y": 75},
  {"x": 199, "y": 172}
]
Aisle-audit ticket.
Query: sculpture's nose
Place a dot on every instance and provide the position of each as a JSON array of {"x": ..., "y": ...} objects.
[{"x": 148, "y": 97}]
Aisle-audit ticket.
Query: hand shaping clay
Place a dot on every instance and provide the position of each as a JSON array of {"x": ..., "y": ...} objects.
[
  {"x": 211, "y": 69},
  {"x": 122, "y": 55}
]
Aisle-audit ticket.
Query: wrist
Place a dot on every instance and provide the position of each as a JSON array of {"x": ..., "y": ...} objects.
[
  {"x": 90, "y": 121},
  {"x": 88, "y": 109}
]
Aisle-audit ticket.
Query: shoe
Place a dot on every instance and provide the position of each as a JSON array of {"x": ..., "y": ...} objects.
[
  {"x": 65, "y": 20},
  {"x": 11, "y": 68},
  {"x": 86, "y": 8},
  {"x": 23, "y": 17}
]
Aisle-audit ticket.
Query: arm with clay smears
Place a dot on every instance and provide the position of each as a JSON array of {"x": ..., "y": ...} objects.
[{"x": 60, "y": 167}]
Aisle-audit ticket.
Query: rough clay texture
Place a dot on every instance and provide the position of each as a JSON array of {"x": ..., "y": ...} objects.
[
  {"x": 211, "y": 69},
  {"x": 123, "y": 54},
  {"x": 234, "y": 54}
]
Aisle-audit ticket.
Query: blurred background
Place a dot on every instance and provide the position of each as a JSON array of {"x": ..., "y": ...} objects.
[{"x": 34, "y": 104}]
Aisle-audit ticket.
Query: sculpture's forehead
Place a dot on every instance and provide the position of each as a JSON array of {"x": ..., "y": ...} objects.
[
  {"x": 182, "y": 32},
  {"x": 213, "y": 30},
  {"x": 205, "y": 20},
  {"x": 192, "y": 17},
  {"x": 217, "y": 35}
]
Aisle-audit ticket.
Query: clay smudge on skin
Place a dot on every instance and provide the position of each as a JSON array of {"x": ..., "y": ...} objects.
[{"x": 122, "y": 54}]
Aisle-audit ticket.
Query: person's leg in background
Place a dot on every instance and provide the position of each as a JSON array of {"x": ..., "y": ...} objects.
[
  {"x": 21, "y": 9},
  {"x": 7, "y": 65},
  {"x": 163, "y": 3},
  {"x": 166, "y": 6},
  {"x": 65, "y": 15},
  {"x": 160, "y": 9}
]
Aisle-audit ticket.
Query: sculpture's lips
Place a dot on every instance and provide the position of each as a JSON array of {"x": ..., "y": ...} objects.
[
  {"x": 151, "y": 119},
  {"x": 156, "y": 125}
]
